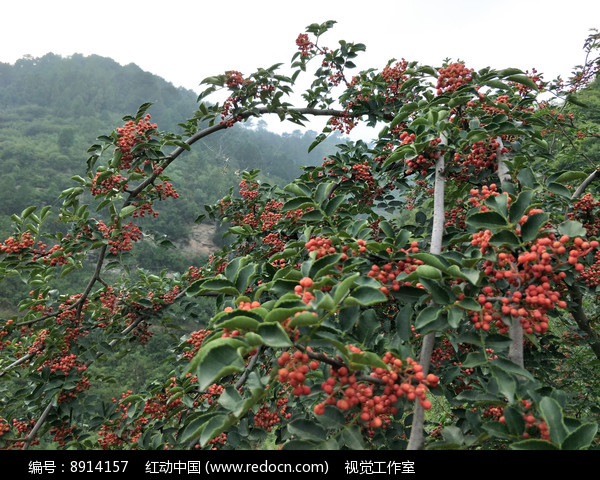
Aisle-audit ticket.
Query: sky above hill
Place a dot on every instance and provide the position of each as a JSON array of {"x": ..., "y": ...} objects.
[{"x": 185, "y": 41}]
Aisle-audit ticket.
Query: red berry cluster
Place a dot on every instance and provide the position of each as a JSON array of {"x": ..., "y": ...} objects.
[
  {"x": 62, "y": 433},
  {"x": 111, "y": 184},
  {"x": 270, "y": 215},
  {"x": 276, "y": 241},
  {"x": 234, "y": 79},
  {"x": 64, "y": 364},
  {"x": 394, "y": 77},
  {"x": 388, "y": 273},
  {"x": 165, "y": 190},
  {"x": 494, "y": 413},
  {"x": 68, "y": 395},
  {"x": 304, "y": 44},
  {"x": 249, "y": 190},
  {"x": 344, "y": 122},
  {"x": 585, "y": 210},
  {"x": 16, "y": 245},
  {"x": 4, "y": 426},
  {"x": 478, "y": 197},
  {"x": 535, "y": 278},
  {"x": 53, "y": 256},
  {"x": 533, "y": 425},
  {"x": 196, "y": 339},
  {"x": 293, "y": 370},
  {"x": 479, "y": 156},
  {"x": 321, "y": 245},
  {"x": 452, "y": 77},
  {"x": 120, "y": 239},
  {"x": 132, "y": 134},
  {"x": 424, "y": 161},
  {"x": 303, "y": 289},
  {"x": 401, "y": 379},
  {"x": 266, "y": 418},
  {"x": 23, "y": 429}
]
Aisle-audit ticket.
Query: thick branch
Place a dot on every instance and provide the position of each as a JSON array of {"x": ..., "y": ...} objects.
[{"x": 417, "y": 438}]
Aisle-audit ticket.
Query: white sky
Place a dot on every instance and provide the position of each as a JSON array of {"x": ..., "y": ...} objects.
[{"x": 185, "y": 41}]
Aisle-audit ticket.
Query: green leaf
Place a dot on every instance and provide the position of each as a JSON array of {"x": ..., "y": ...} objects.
[
  {"x": 215, "y": 426},
  {"x": 505, "y": 237},
  {"x": 475, "y": 359},
  {"x": 558, "y": 189},
  {"x": 580, "y": 438},
  {"x": 298, "y": 203},
  {"x": 572, "y": 228},
  {"x": 330, "y": 206},
  {"x": 221, "y": 285},
  {"x": 426, "y": 316},
  {"x": 498, "y": 430},
  {"x": 507, "y": 384},
  {"x": 440, "y": 293},
  {"x": 306, "y": 430},
  {"x": 431, "y": 260},
  {"x": 533, "y": 444},
  {"x": 352, "y": 438},
  {"x": 403, "y": 113},
  {"x": 429, "y": 272},
  {"x": 470, "y": 304},
  {"x": 305, "y": 318},
  {"x": 343, "y": 287},
  {"x": 28, "y": 211},
  {"x": 217, "y": 359},
  {"x": 514, "y": 421},
  {"x": 531, "y": 228},
  {"x": 511, "y": 367},
  {"x": 523, "y": 80},
  {"x": 240, "y": 322},
  {"x": 365, "y": 295},
  {"x": 323, "y": 265},
  {"x": 509, "y": 71},
  {"x": 281, "y": 314},
  {"x": 520, "y": 205},
  {"x": 195, "y": 425},
  {"x": 231, "y": 399},
  {"x": 486, "y": 220},
  {"x": 368, "y": 359},
  {"x": 553, "y": 415},
  {"x": 568, "y": 177},
  {"x": 274, "y": 335},
  {"x": 527, "y": 178},
  {"x": 455, "y": 315}
]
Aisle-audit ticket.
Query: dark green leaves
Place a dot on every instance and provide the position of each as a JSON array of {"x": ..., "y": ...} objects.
[{"x": 217, "y": 359}]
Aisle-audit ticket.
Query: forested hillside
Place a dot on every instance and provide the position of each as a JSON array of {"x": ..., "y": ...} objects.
[{"x": 53, "y": 108}]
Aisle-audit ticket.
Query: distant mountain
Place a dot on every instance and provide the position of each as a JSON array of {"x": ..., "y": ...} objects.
[{"x": 54, "y": 107}]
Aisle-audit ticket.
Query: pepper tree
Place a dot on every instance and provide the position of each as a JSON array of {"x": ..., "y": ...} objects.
[{"x": 415, "y": 290}]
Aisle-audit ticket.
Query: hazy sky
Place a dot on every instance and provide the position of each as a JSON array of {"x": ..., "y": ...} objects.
[{"x": 185, "y": 41}]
